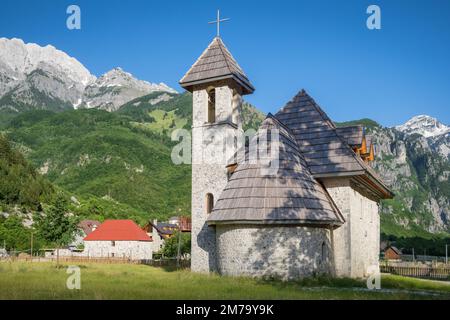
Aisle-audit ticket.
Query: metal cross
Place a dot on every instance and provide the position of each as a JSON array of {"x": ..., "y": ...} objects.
[{"x": 218, "y": 21}]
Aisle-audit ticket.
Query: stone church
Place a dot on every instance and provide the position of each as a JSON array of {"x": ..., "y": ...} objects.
[{"x": 318, "y": 213}]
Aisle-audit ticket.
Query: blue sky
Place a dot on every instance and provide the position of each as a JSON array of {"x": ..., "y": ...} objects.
[{"x": 388, "y": 75}]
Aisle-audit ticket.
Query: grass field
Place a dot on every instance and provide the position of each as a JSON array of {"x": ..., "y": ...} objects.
[{"x": 25, "y": 280}]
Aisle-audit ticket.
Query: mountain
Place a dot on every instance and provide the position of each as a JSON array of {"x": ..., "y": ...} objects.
[
  {"x": 20, "y": 183},
  {"x": 436, "y": 134},
  {"x": 34, "y": 77},
  {"x": 107, "y": 142},
  {"x": 96, "y": 153},
  {"x": 425, "y": 126},
  {"x": 408, "y": 160},
  {"x": 116, "y": 88},
  {"x": 122, "y": 157}
]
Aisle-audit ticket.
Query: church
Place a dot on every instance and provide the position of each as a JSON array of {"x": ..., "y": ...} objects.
[{"x": 318, "y": 213}]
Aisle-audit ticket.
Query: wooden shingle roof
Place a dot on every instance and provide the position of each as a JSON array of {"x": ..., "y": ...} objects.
[
  {"x": 326, "y": 152},
  {"x": 216, "y": 63},
  {"x": 288, "y": 196},
  {"x": 353, "y": 135}
]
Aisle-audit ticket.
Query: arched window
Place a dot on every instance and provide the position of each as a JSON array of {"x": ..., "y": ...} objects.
[
  {"x": 211, "y": 105},
  {"x": 209, "y": 203}
]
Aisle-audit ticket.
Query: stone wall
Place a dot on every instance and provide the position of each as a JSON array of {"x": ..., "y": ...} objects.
[
  {"x": 357, "y": 241},
  {"x": 134, "y": 250},
  {"x": 286, "y": 252},
  {"x": 212, "y": 146}
]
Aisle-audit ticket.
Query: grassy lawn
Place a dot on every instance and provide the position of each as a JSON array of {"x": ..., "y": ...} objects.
[{"x": 25, "y": 280}]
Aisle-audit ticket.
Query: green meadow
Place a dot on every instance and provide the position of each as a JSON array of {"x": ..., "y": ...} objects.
[{"x": 42, "y": 280}]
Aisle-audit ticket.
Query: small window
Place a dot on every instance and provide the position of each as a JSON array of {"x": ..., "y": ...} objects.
[
  {"x": 113, "y": 243},
  {"x": 209, "y": 203},
  {"x": 212, "y": 105}
]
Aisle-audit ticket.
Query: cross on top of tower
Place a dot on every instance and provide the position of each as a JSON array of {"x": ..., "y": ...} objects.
[{"x": 218, "y": 21}]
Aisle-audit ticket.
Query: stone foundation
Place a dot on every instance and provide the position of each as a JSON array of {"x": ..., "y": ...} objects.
[{"x": 286, "y": 252}]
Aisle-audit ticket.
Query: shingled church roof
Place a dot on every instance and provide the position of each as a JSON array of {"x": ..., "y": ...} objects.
[
  {"x": 353, "y": 135},
  {"x": 216, "y": 63},
  {"x": 288, "y": 196},
  {"x": 326, "y": 151}
]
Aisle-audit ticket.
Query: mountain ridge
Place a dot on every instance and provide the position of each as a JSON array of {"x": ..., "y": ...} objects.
[
  {"x": 424, "y": 125},
  {"x": 37, "y": 77}
]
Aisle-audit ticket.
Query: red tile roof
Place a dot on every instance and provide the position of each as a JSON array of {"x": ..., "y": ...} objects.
[{"x": 118, "y": 230}]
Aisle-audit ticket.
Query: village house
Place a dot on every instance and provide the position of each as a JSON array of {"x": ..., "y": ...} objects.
[
  {"x": 392, "y": 253},
  {"x": 161, "y": 231},
  {"x": 318, "y": 213},
  {"x": 85, "y": 227},
  {"x": 118, "y": 239}
]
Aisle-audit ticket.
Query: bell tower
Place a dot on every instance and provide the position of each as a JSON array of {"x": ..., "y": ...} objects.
[{"x": 217, "y": 84}]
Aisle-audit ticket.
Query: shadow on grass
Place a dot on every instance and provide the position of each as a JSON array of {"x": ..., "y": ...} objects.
[{"x": 317, "y": 281}]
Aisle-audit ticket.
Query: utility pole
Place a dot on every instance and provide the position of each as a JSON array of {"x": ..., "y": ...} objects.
[
  {"x": 446, "y": 254},
  {"x": 31, "y": 246},
  {"x": 414, "y": 259},
  {"x": 179, "y": 247},
  {"x": 179, "y": 240}
]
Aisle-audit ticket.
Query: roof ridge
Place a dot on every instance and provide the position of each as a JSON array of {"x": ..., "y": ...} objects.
[
  {"x": 222, "y": 66},
  {"x": 221, "y": 50},
  {"x": 333, "y": 128}
]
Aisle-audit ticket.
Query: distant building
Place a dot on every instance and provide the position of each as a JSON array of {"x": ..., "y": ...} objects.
[
  {"x": 392, "y": 253},
  {"x": 119, "y": 239},
  {"x": 174, "y": 220},
  {"x": 183, "y": 222},
  {"x": 161, "y": 231},
  {"x": 85, "y": 227}
]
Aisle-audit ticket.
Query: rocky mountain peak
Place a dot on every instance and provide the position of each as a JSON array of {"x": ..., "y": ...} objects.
[
  {"x": 424, "y": 125},
  {"x": 36, "y": 77},
  {"x": 23, "y": 58}
]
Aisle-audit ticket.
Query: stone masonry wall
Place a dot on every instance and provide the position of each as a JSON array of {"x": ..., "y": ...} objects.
[
  {"x": 357, "y": 241},
  {"x": 286, "y": 252},
  {"x": 365, "y": 234},
  {"x": 212, "y": 146},
  {"x": 135, "y": 250}
]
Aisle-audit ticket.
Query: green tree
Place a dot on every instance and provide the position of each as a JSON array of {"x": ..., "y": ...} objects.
[
  {"x": 13, "y": 234},
  {"x": 170, "y": 248},
  {"x": 55, "y": 225}
]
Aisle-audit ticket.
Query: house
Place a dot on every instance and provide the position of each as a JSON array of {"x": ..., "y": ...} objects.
[
  {"x": 184, "y": 223},
  {"x": 316, "y": 212},
  {"x": 118, "y": 239},
  {"x": 161, "y": 231},
  {"x": 85, "y": 227},
  {"x": 165, "y": 230},
  {"x": 174, "y": 220},
  {"x": 392, "y": 253}
]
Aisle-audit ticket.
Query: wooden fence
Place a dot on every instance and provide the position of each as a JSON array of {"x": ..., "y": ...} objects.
[
  {"x": 437, "y": 273},
  {"x": 160, "y": 263}
]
